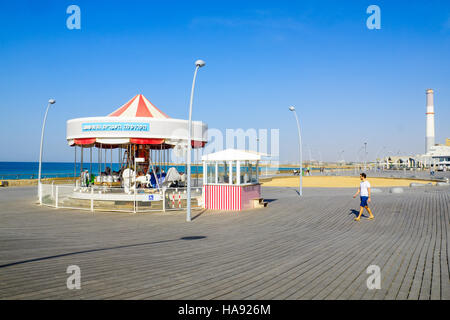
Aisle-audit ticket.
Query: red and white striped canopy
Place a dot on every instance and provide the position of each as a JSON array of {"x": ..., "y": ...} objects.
[
  {"x": 136, "y": 122},
  {"x": 139, "y": 106}
]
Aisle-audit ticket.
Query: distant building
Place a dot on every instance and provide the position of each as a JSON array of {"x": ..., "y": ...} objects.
[
  {"x": 436, "y": 155},
  {"x": 439, "y": 155},
  {"x": 398, "y": 162}
]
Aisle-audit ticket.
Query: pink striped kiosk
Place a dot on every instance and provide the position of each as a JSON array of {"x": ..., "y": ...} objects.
[{"x": 230, "y": 180}]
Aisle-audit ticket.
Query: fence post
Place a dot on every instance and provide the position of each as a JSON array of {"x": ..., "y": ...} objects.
[
  {"x": 56, "y": 197},
  {"x": 92, "y": 199},
  {"x": 53, "y": 189},
  {"x": 134, "y": 198},
  {"x": 40, "y": 192},
  {"x": 204, "y": 196},
  {"x": 164, "y": 199}
]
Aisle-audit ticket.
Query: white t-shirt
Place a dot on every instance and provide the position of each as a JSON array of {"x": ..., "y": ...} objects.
[{"x": 364, "y": 185}]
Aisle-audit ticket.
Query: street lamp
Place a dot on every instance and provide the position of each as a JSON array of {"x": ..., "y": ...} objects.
[
  {"x": 50, "y": 102},
  {"x": 137, "y": 160},
  {"x": 300, "y": 148},
  {"x": 365, "y": 155},
  {"x": 341, "y": 158},
  {"x": 198, "y": 64}
]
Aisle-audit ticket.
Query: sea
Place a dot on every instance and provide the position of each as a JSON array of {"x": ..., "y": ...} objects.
[{"x": 30, "y": 170}]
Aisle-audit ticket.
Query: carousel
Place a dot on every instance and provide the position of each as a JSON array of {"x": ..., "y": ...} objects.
[{"x": 132, "y": 147}]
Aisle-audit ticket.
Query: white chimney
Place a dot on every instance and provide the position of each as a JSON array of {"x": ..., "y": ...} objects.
[{"x": 429, "y": 137}]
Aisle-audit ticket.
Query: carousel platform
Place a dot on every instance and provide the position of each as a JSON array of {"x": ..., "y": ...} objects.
[{"x": 115, "y": 199}]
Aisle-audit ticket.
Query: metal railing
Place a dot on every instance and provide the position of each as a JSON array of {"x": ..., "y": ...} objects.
[{"x": 105, "y": 198}]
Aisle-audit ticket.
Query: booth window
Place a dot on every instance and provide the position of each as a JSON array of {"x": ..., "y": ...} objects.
[
  {"x": 233, "y": 171},
  {"x": 244, "y": 173},
  {"x": 248, "y": 172},
  {"x": 224, "y": 172},
  {"x": 211, "y": 173},
  {"x": 253, "y": 167}
]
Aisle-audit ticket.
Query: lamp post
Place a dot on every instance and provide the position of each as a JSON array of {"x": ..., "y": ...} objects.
[
  {"x": 377, "y": 159},
  {"x": 198, "y": 64},
  {"x": 50, "y": 102},
  {"x": 341, "y": 158},
  {"x": 365, "y": 155},
  {"x": 136, "y": 160},
  {"x": 300, "y": 148}
]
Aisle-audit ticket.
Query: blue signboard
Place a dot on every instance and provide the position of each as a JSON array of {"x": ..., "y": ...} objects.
[
  {"x": 115, "y": 126},
  {"x": 153, "y": 197}
]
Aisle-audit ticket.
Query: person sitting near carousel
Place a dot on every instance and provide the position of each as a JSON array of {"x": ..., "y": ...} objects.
[
  {"x": 153, "y": 176},
  {"x": 161, "y": 177},
  {"x": 85, "y": 179},
  {"x": 121, "y": 173}
]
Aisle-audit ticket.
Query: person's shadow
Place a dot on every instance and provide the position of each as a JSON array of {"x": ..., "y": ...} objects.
[{"x": 356, "y": 213}]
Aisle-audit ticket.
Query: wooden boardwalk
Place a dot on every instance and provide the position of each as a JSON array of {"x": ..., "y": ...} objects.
[{"x": 307, "y": 248}]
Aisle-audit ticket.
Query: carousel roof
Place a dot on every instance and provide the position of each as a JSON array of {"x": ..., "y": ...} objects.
[
  {"x": 139, "y": 106},
  {"x": 136, "y": 122}
]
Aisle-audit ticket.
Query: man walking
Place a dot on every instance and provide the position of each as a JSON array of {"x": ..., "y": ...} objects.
[{"x": 364, "y": 189}]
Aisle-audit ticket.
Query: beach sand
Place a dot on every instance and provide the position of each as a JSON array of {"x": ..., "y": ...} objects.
[{"x": 338, "y": 182}]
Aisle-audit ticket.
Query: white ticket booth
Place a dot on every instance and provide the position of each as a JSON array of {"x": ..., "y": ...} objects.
[{"x": 231, "y": 181}]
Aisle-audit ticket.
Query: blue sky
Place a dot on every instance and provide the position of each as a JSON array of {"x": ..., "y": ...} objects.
[{"x": 350, "y": 85}]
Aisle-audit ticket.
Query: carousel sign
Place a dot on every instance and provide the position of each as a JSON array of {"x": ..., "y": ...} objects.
[{"x": 115, "y": 126}]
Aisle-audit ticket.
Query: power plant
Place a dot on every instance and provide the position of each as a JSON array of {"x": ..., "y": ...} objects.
[
  {"x": 435, "y": 155},
  {"x": 429, "y": 136}
]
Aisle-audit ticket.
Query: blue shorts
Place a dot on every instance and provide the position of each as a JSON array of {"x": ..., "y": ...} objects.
[{"x": 364, "y": 202}]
